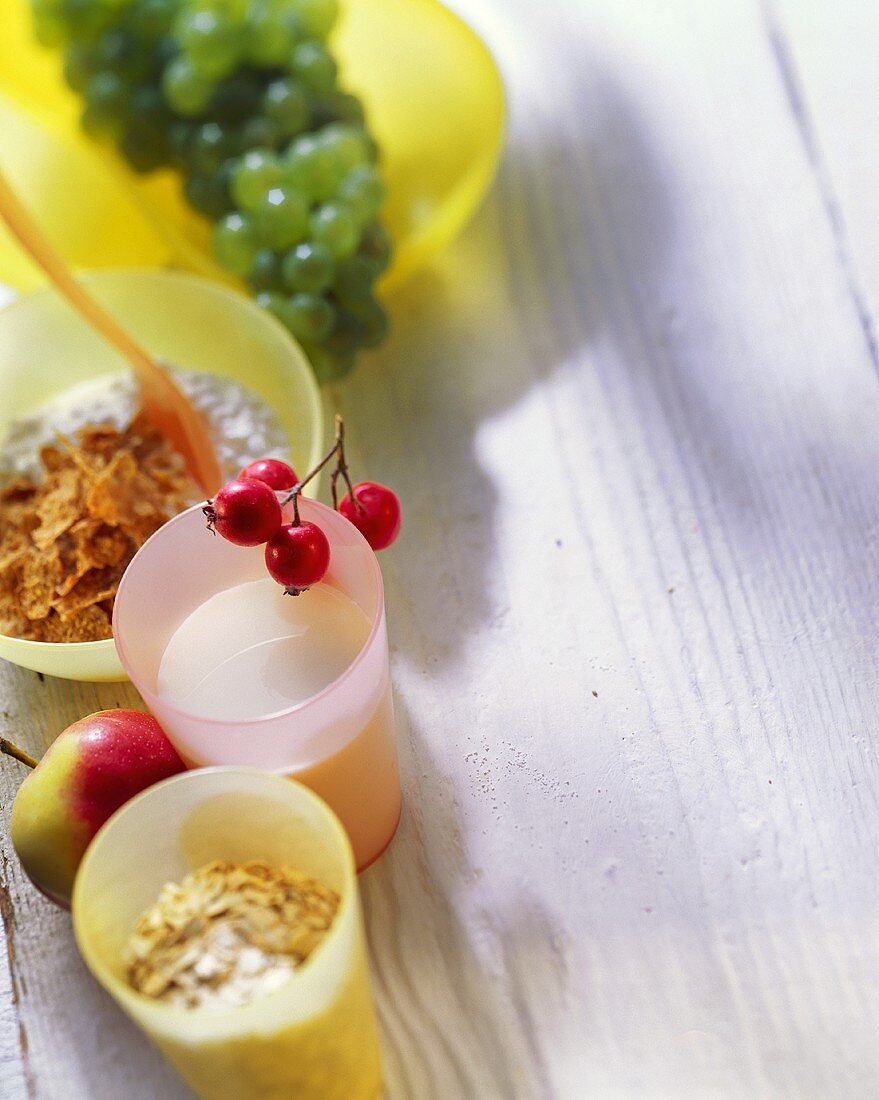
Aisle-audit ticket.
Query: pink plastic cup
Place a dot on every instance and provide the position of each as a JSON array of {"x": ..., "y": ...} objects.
[{"x": 341, "y": 741}]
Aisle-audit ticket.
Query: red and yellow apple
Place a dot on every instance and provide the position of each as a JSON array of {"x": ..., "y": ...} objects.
[{"x": 90, "y": 770}]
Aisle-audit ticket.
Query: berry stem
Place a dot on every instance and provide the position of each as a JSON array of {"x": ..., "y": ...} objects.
[
  {"x": 342, "y": 465},
  {"x": 300, "y": 485},
  {"x": 337, "y": 451},
  {"x": 9, "y": 749}
]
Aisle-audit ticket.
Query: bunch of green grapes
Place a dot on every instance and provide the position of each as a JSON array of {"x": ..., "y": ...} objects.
[{"x": 241, "y": 96}]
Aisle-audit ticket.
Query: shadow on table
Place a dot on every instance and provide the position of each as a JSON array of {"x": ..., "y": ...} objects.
[
  {"x": 456, "y": 1022},
  {"x": 513, "y": 303}
]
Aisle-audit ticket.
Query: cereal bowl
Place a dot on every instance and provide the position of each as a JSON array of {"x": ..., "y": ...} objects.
[{"x": 189, "y": 321}]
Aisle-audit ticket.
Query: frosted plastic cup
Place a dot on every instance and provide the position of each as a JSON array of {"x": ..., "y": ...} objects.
[
  {"x": 45, "y": 348},
  {"x": 315, "y": 1037},
  {"x": 340, "y": 742}
]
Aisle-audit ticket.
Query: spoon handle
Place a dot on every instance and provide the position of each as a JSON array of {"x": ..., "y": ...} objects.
[
  {"x": 31, "y": 238},
  {"x": 166, "y": 406}
]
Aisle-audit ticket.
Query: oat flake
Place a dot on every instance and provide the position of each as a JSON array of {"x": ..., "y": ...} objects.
[{"x": 228, "y": 933}]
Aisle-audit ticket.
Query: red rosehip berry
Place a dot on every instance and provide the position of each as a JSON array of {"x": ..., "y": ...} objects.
[
  {"x": 374, "y": 511},
  {"x": 275, "y": 473},
  {"x": 244, "y": 511},
  {"x": 298, "y": 557}
]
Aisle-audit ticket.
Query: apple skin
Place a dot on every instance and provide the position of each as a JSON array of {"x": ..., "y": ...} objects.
[{"x": 91, "y": 769}]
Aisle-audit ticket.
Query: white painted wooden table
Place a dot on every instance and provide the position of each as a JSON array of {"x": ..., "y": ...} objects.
[{"x": 634, "y": 417}]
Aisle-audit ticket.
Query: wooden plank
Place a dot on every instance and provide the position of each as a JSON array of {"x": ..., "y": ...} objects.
[
  {"x": 75, "y": 1041},
  {"x": 14, "y": 1070},
  {"x": 829, "y": 66},
  {"x": 633, "y": 418},
  {"x": 651, "y": 355}
]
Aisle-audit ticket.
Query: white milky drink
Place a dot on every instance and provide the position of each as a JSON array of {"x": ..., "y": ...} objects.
[{"x": 252, "y": 650}]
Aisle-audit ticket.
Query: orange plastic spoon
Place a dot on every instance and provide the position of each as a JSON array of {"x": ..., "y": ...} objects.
[{"x": 166, "y": 406}]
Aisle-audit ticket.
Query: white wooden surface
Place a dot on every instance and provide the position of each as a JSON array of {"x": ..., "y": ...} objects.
[{"x": 634, "y": 418}]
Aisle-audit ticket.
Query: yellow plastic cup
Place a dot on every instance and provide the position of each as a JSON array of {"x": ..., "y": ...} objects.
[
  {"x": 434, "y": 100},
  {"x": 315, "y": 1038},
  {"x": 45, "y": 348}
]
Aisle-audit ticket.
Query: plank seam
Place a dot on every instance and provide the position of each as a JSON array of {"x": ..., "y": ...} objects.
[
  {"x": 796, "y": 98},
  {"x": 7, "y": 919}
]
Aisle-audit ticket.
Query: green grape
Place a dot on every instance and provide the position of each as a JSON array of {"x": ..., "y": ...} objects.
[
  {"x": 286, "y": 103},
  {"x": 354, "y": 278},
  {"x": 235, "y": 243},
  {"x": 342, "y": 107},
  {"x": 148, "y": 107},
  {"x": 309, "y": 317},
  {"x": 307, "y": 165},
  {"x": 114, "y": 47},
  {"x": 101, "y": 124},
  {"x": 363, "y": 192},
  {"x": 271, "y": 32},
  {"x": 119, "y": 51},
  {"x": 197, "y": 191},
  {"x": 106, "y": 100},
  {"x": 332, "y": 225},
  {"x": 281, "y": 218},
  {"x": 164, "y": 52},
  {"x": 346, "y": 335},
  {"x": 209, "y": 194},
  {"x": 211, "y": 41},
  {"x": 144, "y": 149},
  {"x": 375, "y": 245},
  {"x": 106, "y": 88},
  {"x": 326, "y": 366},
  {"x": 186, "y": 90},
  {"x": 80, "y": 65},
  {"x": 308, "y": 267},
  {"x": 150, "y": 19},
  {"x": 260, "y": 131},
  {"x": 265, "y": 271},
  {"x": 256, "y": 173},
  {"x": 321, "y": 114},
  {"x": 321, "y": 171},
  {"x": 318, "y": 16},
  {"x": 373, "y": 321},
  {"x": 211, "y": 145},
  {"x": 328, "y": 176},
  {"x": 235, "y": 10},
  {"x": 84, "y": 19},
  {"x": 347, "y": 145},
  {"x": 51, "y": 9},
  {"x": 178, "y": 139},
  {"x": 236, "y": 98},
  {"x": 49, "y": 26},
  {"x": 241, "y": 96},
  {"x": 311, "y": 62},
  {"x": 273, "y": 303}
]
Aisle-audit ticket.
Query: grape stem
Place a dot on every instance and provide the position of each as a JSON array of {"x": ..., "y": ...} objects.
[{"x": 337, "y": 451}]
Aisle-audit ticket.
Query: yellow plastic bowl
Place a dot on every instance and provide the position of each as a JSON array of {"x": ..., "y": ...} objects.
[
  {"x": 45, "y": 348},
  {"x": 434, "y": 100}
]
